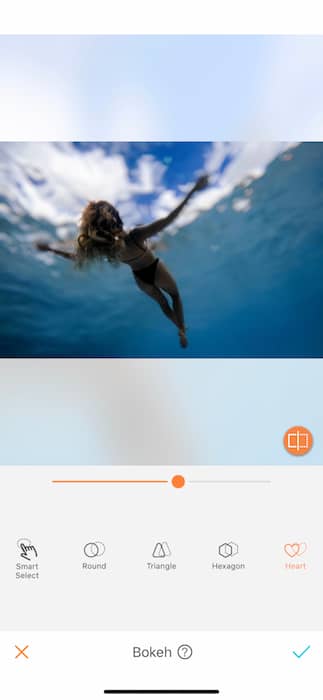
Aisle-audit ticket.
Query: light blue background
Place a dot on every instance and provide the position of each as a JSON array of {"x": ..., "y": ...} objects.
[
  {"x": 161, "y": 88},
  {"x": 152, "y": 412}
]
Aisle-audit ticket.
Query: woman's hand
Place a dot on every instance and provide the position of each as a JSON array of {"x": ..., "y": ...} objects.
[
  {"x": 45, "y": 247},
  {"x": 144, "y": 232},
  {"x": 202, "y": 182},
  {"x": 42, "y": 245}
]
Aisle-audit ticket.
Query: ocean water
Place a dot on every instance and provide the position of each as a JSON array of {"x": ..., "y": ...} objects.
[{"x": 249, "y": 269}]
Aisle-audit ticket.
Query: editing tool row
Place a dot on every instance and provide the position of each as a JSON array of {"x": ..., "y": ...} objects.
[{"x": 94, "y": 556}]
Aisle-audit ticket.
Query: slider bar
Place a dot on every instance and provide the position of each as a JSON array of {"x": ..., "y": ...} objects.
[
  {"x": 162, "y": 692},
  {"x": 109, "y": 481},
  {"x": 229, "y": 481}
]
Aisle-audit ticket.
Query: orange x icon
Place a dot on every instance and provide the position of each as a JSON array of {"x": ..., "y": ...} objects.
[{"x": 21, "y": 652}]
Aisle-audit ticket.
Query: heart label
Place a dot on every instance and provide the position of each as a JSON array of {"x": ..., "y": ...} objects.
[{"x": 296, "y": 549}]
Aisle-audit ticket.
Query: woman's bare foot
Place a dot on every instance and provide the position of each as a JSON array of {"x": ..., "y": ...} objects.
[{"x": 182, "y": 338}]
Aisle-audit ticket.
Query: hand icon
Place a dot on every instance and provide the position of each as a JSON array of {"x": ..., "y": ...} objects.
[{"x": 27, "y": 549}]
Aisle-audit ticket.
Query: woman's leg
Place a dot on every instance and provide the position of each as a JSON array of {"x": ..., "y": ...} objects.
[
  {"x": 158, "y": 295},
  {"x": 165, "y": 281}
]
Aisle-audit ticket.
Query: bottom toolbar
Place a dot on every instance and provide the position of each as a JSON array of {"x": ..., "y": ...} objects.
[{"x": 246, "y": 665}]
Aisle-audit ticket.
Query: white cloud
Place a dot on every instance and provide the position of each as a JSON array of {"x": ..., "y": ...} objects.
[
  {"x": 149, "y": 173},
  {"x": 67, "y": 178}
]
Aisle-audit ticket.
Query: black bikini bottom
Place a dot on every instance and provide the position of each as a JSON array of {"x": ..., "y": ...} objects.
[{"x": 147, "y": 274}]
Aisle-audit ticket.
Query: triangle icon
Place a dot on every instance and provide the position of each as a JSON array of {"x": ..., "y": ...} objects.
[{"x": 159, "y": 551}]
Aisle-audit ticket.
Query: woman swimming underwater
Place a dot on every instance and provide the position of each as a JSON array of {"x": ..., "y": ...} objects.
[{"x": 101, "y": 235}]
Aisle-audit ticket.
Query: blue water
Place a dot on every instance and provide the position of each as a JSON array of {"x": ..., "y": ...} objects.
[{"x": 251, "y": 283}]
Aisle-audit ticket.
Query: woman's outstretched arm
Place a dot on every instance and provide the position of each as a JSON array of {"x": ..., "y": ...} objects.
[
  {"x": 58, "y": 251},
  {"x": 143, "y": 232}
]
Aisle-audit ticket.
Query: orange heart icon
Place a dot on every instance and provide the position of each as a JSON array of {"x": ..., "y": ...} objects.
[{"x": 296, "y": 549}]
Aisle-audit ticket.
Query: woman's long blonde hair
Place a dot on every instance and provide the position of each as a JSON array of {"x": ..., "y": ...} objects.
[{"x": 98, "y": 233}]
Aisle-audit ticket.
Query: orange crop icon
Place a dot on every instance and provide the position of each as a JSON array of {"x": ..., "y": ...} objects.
[{"x": 298, "y": 440}]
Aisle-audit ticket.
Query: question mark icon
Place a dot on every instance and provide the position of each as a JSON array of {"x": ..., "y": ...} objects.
[{"x": 185, "y": 651}]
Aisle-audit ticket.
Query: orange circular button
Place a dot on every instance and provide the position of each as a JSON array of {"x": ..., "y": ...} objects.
[
  {"x": 178, "y": 481},
  {"x": 298, "y": 440}
]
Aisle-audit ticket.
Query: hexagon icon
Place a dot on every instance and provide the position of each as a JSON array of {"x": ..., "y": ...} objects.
[{"x": 228, "y": 549}]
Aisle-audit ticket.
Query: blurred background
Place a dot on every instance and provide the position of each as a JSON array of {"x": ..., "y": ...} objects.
[
  {"x": 126, "y": 88},
  {"x": 158, "y": 412},
  {"x": 153, "y": 88}
]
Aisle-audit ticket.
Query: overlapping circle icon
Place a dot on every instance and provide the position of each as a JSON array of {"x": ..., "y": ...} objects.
[{"x": 94, "y": 549}]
